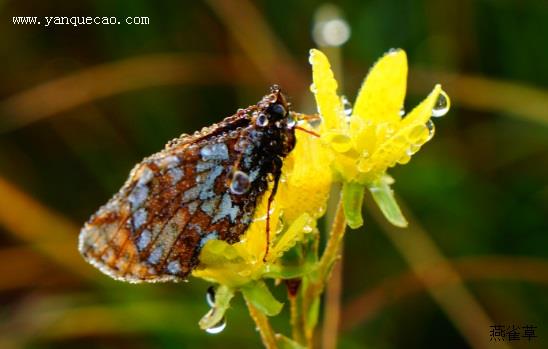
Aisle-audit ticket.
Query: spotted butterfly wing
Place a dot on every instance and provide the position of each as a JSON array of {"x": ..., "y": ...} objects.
[{"x": 200, "y": 187}]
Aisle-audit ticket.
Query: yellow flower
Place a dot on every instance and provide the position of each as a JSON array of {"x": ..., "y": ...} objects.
[
  {"x": 375, "y": 134},
  {"x": 355, "y": 148},
  {"x": 300, "y": 200}
]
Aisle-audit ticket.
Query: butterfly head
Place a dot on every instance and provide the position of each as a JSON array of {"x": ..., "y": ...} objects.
[{"x": 275, "y": 118}]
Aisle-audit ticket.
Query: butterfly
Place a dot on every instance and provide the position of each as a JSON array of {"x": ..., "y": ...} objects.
[{"x": 200, "y": 187}]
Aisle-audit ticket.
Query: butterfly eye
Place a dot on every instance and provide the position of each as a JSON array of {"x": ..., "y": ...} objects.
[{"x": 277, "y": 111}]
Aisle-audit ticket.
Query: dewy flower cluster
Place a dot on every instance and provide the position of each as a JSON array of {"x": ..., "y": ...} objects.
[{"x": 356, "y": 147}]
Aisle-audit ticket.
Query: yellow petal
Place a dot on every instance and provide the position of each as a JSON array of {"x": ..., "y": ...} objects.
[
  {"x": 306, "y": 174},
  {"x": 381, "y": 96},
  {"x": 422, "y": 112},
  {"x": 411, "y": 133},
  {"x": 295, "y": 233},
  {"x": 324, "y": 87}
]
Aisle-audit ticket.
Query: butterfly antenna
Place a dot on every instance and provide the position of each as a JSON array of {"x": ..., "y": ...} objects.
[{"x": 307, "y": 131}]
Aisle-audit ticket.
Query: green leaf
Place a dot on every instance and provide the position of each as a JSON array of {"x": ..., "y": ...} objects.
[
  {"x": 223, "y": 295},
  {"x": 286, "y": 343},
  {"x": 313, "y": 314},
  {"x": 258, "y": 294},
  {"x": 352, "y": 196},
  {"x": 384, "y": 197}
]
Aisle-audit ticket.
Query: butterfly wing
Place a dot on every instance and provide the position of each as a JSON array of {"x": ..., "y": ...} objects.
[{"x": 172, "y": 203}]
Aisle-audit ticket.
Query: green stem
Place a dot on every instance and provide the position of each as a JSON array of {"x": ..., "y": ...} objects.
[
  {"x": 296, "y": 319},
  {"x": 333, "y": 247},
  {"x": 263, "y": 326},
  {"x": 316, "y": 285}
]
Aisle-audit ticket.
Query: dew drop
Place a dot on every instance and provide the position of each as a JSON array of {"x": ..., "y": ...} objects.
[
  {"x": 210, "y": 296},
  {"x": 341, "y": 143},
  {"x": 272, "y": 98},
  {"x": 240, "y": 183},
  {"x": 402, "y": 111},
  {"x": 291, "y": 122},
  {"x": 441, "y": 107},
  {"x": 241, "y": 145},
  {"x": 431, "y": 129},
  {"x": 218, "y": 327},
  {"x": 261, "y": 120},
  {"x": 347, "y": 106},
  {"x": 364, "y": 165},
  {"x": 313, "y": 88}
]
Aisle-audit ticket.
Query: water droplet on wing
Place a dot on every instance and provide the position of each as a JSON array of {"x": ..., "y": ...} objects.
[
  {"x": 240, "y": 183},
  {"x": 262, "y": 120}
]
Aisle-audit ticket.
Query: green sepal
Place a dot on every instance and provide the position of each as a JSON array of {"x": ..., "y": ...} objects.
[
  {"x": 278, "y": 271},
  {"x": 223, "y": 295},
  {"x": 352, "y": 196},
  {"x": 384, "y": 197},
  {"x": 313, "y": 315},
  {"x": 258, "y": 294}
]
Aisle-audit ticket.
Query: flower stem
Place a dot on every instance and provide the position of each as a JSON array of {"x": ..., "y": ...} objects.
[
  {"x": 263, "y": 326},
  {"x": 330, "y": 327},
  {"x": 296, "y": 319},
  {"x": 333, "y": 247},
  {"x": 314, "y": 289}
]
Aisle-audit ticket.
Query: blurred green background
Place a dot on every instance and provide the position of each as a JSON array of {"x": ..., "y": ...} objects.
[{"x": 80, "y": 105}]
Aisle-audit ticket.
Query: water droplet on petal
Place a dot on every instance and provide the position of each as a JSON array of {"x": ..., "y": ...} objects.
[
  {"x": 404, "y": 159},
  {"x": 261, "y": 120},
  {"x": 313, "y": 88},
  {"x": 341, "y": 143},
  {"x": 402, "y": 111},
  {"x": 210, "y": 296},
  {"x": 240, "y": 183},
  {"x": 431, "y": 129},
  {"x": 347, "y": 106},
  {"x": 418, "y": 134},
  {"x": 218, "y": 327},
  {"x": 364, "y": 165},
  {"x": 441, "y": 107}
]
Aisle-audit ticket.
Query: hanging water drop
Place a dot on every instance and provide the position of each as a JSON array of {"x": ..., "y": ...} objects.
[
  {"x": 313, "y": 88},
  {"x": 402, "y": 112},
  {"x": 347, "y": 106},
  {"x": 210, "y": 296},
  {"x": 218, "y": 327},
  {"x": 291, "y": 122},
  {"x": 431, "y": 128},
  {"x": 441, "y": 107},
  {"x": 261, "y": 120},
  {"x": 240, "y": 183}
]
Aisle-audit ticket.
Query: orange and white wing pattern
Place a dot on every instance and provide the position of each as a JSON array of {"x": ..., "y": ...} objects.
[{"x": 200, "y": 187}]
